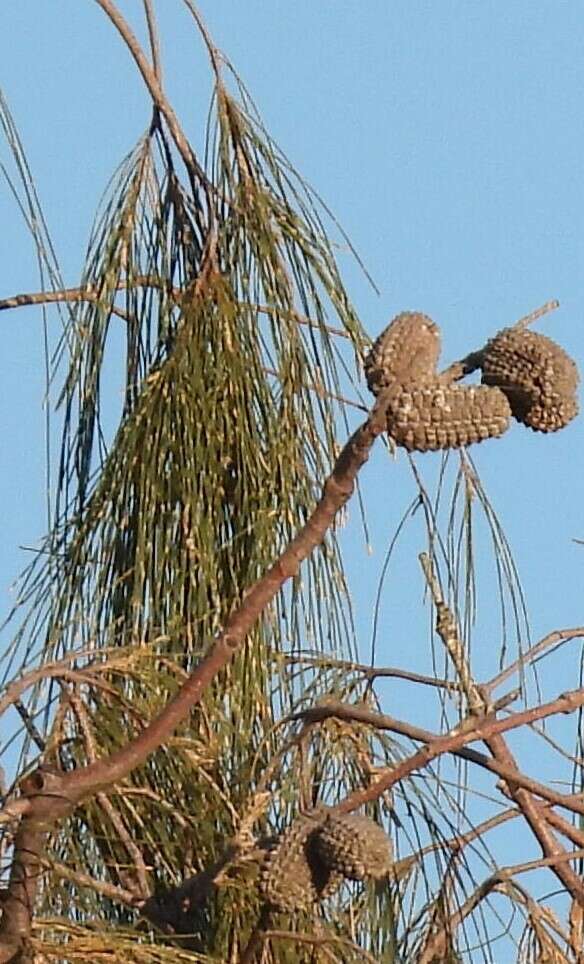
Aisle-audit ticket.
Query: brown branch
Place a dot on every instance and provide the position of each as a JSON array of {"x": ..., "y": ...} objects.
[
  {"x": 447, "y": 629},
  {"x": 541, "y": 828},
  {"x": 19, "y": 899},
  {"x": 552, "y": 639},
  {"x": 374, "y": 672},
  {"x": 111, "y": 891},
  {"x": 154, "y": 39},
  {"x": 49, "y": 803},
  {"x": 436, "y": 745},
  {"x": 56, "y": 670},
  {"x": 337, "y": 491},
  {"x": 50, "y": 800},
  {"x": 152, "y": 83},
  {"x": 214, "y": 54},
  {"x": 14, "y": 809},
  {"x": 436, "y": 946},
  {"x": 85, "y": 293},
  {"x": 89, "y": 293}
]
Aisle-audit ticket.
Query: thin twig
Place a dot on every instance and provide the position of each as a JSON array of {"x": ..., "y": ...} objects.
[
  {"x": 321, "y": 392},
  {"x": 87, "y": 293},
  {"x": 538, "y": 313},
  {"x": 373, "y": 672},
  {"x": 448, "y": 632},
  {"x": 154, "y": 38},
  {"x": 63, "y": 295},
  {"x": 141, "y": 888},
  {"x": 446, "y": 627},
  {"x": 552, "y": 639},
  {"x": 474, "y": 360},
  {"x": 183, "y": 146},
  {"x": 111, "y": 891},
  {"x": 454, "y": 742}
]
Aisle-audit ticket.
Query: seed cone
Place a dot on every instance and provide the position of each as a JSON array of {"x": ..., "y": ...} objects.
[
  {"x": 294, "y": 877},
  {"x": 432, "y": 416},
  {"x": 407, "y": 349},
  {"x": 538, "y": 377},
  {"x": 353, "y": 846}
]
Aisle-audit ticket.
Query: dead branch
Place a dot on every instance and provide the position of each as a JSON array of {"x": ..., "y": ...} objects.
[
  {"x": 111, "y": 891},
  {"x": 455, "y": 743},
  {"x": 549, "y": 641},
  {"x": 375, "y": 672},
  {"x": 446, "y": 628}
]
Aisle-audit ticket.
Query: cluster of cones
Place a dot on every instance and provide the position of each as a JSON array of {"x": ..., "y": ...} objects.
[
  {"x": 524, "y": 375},
  {"x": 319, "y": 850}
]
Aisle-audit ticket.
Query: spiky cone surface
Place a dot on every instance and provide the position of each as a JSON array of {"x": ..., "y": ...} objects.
[
  {"x": 432, "y": 416},
  {"x": 538, "y": 377},
  {"x": 294, "y": 877},
  {"x": 354, "y": 846},
  {"x": 407, "y": 349}
]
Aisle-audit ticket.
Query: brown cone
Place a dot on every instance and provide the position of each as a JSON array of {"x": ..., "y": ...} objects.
[
  {"x": 294, "y": 878},
  {"x": 354, "y": 846},
  {"x": 406, "y": 350},
  {"x": 432, "y": 416},
  {"x": 538, "y": 377}
]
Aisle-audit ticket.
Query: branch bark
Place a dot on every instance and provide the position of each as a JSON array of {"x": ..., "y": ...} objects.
[
  {"x": 52, "y": 800},
  {"x": 435, "y": 745}
]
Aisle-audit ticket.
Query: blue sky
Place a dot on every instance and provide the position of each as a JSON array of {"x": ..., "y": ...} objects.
[{"x": 446, "y": 137}]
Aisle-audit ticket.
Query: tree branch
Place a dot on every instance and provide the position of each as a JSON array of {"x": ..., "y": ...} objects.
[
  {"x": 453, "y": 743},
  {"x": 52, "y": 800},
  {"x": 152, "y": 83},
  {"x": 447, "y": 629}
]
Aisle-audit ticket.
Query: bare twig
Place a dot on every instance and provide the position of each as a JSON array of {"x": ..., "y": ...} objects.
[
  {"x": 111, "y": 891},
  {"x": 152, "y": 83},
  {"x": 552, "y": 639},
  {"x": 87, "y": 293},
  {"x": 447, "y": 630},
  {"x": 154, "y": 38},
  {"x": 374, "y": 672},
  {"x": 62, "y": 295},
  {"x": 321, "y": 392},
  {"x": 453, "y": 742},
  {"x": 538, "y": 313},
  {"x": 536, "y": 818},
  {"x": 500, "y": 880},
  {"x": 139, "y": 885}
]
